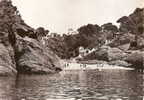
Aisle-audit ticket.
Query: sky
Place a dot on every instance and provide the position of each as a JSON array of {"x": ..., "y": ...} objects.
[{"x": 60, "y": 15}]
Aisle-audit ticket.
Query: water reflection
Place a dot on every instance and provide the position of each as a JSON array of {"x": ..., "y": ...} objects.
[
  {"x": 87, "y": 85},
  {"x": 7, "y": 88}
]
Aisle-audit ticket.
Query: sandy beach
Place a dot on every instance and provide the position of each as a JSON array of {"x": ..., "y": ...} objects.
[{"x": 78, "y": 66}]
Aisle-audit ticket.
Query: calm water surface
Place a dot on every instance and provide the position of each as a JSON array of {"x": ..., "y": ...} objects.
[{"x": 85, "y": 85}]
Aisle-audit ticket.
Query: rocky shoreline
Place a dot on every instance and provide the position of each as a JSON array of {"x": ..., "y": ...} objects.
[
  {"x": 115, "y": 56},
  {"x": 24, "y": 49},
  {"x": 117, "y": 45}
]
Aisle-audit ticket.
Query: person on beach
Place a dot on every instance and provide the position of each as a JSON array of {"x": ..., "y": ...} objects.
[
  {"x": 66, "y": 64},
  {"x": 85, "y": 65},
  {"x": 81, "y": 65}
]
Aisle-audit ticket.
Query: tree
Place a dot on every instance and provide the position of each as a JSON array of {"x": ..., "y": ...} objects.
[
  {"x": 109, "y": 30},
  {"x": 109, "y": 27},
  {"x": 89, "y": 35},
  {"x": 89, "y": 29},
  {"x": 9, "y": 16},
  {"x": 133, "y": 23}
]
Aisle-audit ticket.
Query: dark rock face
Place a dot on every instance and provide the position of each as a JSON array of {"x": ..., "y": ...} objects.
[
  {"x": 136, "y": 58},
  {"x": 116, "y": 54},
  {"x": 7, "y": 63},
  {"x": 33, "y": 57},
  {"x": 107, "y": 53}
]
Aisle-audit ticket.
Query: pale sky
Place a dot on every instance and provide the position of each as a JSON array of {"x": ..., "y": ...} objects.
[{"x": 60, "y": 15}]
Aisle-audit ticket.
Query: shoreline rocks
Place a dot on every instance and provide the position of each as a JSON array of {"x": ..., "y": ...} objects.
[
  {"x": 33, "y": 57},
  {"x": 27, "y": 56},
  {"x": 136, "y": 58},
  {"x": 115, "y": 56}
]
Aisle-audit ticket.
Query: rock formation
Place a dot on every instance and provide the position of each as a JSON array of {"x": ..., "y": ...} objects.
[
  {"x": 20, "y": 49},
  {"x": 136, "y": 58},
  {"x": 33, "y": 57}
]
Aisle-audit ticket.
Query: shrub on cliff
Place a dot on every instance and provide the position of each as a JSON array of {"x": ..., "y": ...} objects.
[{"x": 41, "y": 32}]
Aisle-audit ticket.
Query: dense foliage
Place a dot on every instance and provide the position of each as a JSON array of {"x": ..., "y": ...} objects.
[{"x": 94, "y": 36}]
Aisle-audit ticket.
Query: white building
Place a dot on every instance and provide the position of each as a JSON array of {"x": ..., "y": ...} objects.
[{"x": 83, "y": 51}]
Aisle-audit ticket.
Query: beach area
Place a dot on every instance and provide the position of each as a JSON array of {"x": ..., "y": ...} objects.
[{"x": 84, "y": 65}]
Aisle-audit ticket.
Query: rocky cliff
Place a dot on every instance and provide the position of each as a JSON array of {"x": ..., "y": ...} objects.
[{"x": 20, "y": 48}]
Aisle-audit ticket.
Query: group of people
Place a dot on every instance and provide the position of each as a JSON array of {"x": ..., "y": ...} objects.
[
  {"x": 66, "y": 64},
  {"x": 83, "y": 65}
]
